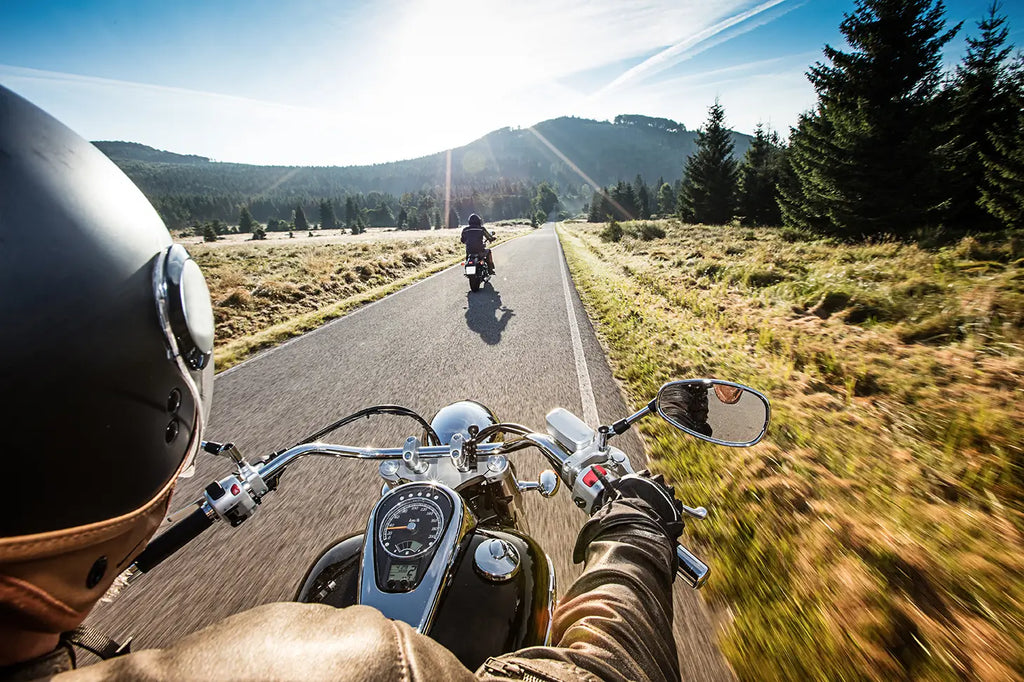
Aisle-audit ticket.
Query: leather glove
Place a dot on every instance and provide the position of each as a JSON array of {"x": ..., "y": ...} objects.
[
  {"x": 641, "y": 499},
  {"x": 659, "y": 497}
]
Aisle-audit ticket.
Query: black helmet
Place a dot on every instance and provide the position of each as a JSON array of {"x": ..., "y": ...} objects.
[
  {"x": 106, "y": 350},
  {"x": 474, "y": 220},
  {"x": 458, "y": 417}
]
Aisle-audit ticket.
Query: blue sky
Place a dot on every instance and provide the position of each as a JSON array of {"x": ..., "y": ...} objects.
[{"x": 336, "y": 83}]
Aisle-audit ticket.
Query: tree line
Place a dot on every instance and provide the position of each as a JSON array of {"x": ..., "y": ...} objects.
[
  {"x": 411, "y": 211},
  {"x": 893, "y": 146}
]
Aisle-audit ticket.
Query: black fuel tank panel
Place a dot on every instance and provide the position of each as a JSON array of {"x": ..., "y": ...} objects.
[
  {"x": 477, "y": 618},
  {"x": 334, "y": 578}
]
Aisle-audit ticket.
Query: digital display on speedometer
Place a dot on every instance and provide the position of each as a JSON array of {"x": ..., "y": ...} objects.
[{"x": 412, "y": 528}]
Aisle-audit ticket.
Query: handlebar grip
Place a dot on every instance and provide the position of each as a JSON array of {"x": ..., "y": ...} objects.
[
  {"x": 173, "y": 539},
  {"x": 691, "y": 569}
]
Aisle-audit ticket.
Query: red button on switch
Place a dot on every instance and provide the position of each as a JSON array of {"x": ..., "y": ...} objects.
[
  {"x": 591, "y": 478},
  {"x": 235, "y": 489}
]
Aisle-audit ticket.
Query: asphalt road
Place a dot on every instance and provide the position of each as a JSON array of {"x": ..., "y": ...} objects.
[{"x": 507, "y": 346}]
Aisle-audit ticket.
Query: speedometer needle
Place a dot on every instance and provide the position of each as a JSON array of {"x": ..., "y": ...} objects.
[{"x": 398, "y": 527}]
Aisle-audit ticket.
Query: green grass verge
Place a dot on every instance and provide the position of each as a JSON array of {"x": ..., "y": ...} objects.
[{"x": 878, "y": 533}]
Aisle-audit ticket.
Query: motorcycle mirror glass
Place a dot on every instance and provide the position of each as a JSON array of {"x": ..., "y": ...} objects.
[{"x": 716, "y": 411}]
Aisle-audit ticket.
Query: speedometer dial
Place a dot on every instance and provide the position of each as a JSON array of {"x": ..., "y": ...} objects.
[{"x": 411, "y": 528}]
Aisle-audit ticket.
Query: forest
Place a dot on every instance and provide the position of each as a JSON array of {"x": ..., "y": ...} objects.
[
  {"x": 895, "y": 145},
  {"x": 496, "y": 176}
]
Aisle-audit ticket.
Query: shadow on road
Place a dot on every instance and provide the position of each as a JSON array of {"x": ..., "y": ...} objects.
[{"x": 482, "y": 309}]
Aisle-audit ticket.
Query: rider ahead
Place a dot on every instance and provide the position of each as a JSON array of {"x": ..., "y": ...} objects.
[
  {"x": 473, "y": 236},
  {"x": 107, "y": 353}
]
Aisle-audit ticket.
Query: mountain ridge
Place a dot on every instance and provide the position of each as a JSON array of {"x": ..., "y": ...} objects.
[{"x": 574, "y": 154}]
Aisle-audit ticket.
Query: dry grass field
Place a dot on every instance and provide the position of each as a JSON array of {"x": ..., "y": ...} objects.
[
  {"x": 878, "y": 532},
  {"x": 265, "y": 292}
]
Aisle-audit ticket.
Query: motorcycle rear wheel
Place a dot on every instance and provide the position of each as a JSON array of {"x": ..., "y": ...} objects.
[{"x": 474, "y": 283}]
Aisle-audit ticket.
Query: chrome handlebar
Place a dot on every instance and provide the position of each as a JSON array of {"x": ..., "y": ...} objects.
[
  {"x": 277, "y": 464},
  {"x": 236, "y": 497}
]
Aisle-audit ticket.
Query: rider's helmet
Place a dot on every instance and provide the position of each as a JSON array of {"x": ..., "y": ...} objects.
[
  {"x": 474, "y": 221},
  {"x": 106, "y": 363},
  {"x": 458, "y": 417}
]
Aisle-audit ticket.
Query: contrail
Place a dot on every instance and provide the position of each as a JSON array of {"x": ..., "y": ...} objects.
[
  {"x": 30, "y": 74},
  {"x": 685, "y": 48}
]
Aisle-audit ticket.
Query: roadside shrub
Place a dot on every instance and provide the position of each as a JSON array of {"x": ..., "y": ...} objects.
[
  {"x": 613, "y": 231},
  {"x": 649, "y": 231}
]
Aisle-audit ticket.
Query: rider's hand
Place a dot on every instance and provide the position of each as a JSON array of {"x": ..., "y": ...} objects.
[
  {"x": 634, "y": 498},
  {"x": 660, "y": 498}
]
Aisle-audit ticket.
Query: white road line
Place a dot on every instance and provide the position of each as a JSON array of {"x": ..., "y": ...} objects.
[{"x": 582, "y": 373}]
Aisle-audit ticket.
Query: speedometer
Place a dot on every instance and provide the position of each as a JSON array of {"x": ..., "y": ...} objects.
[{"x": 411, "y": 528}]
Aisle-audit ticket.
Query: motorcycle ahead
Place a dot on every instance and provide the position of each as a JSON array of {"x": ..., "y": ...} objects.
[
  {"x": 477, "y": 269},
  {"x": 447, "y": 547}
]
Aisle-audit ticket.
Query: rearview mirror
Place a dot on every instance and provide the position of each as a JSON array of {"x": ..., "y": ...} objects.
[{"x": 716, "y": 411}]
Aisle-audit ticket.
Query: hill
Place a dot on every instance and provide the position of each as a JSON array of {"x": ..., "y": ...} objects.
[{"x": 569, "y": 152}]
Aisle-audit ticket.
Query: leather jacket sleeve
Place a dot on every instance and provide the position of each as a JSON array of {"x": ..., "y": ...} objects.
[{"x": 614, "y": 623}]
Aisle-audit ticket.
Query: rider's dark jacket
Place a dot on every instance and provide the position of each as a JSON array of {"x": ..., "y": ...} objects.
[
  {"x": 473, "y": 238},
  {"x": 614, "y": 623}
]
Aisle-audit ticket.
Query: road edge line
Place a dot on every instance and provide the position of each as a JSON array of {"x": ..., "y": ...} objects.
[{"x": 590, "y": 415}]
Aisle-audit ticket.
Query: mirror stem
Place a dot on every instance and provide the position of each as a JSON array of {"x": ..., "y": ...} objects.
[{"x": 620, "y": 427}]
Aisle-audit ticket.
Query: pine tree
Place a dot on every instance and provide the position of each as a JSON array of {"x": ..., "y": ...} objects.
[
  {"x": 545, "y": 200},
  {"x": 666, "y": 200},
  {"x": 1003, "y": 195},
  {"x": 245, "y": 221},
  {"x": 300, "y": 219},
  {"x": 708, "y": 194},
  {"x": 983, "y": 109},
  {"x": 594, "y": 207},
  {"x": 351, "y": 212},
  {"x": 328, "y": 221},
  {"x": 760, "y": 173},
  {"x": 868, "y": 159},
  {"x": 643, "y": 197}
]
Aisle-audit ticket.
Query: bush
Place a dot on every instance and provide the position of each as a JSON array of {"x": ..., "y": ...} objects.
[
  {"x": 649, "y": 231},
  {"x": 259, "y": 233},
  {"x": 613, "y": 231}
]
